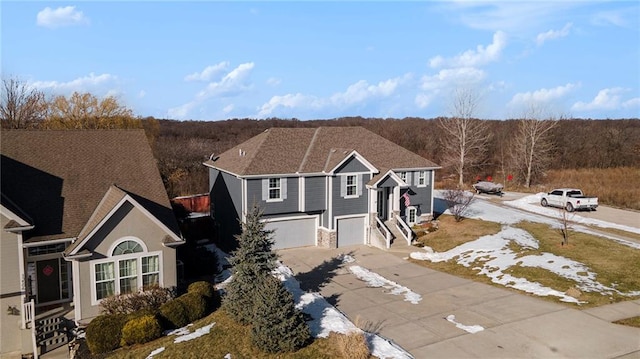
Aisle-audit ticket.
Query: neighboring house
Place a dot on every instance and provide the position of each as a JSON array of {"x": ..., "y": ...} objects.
[
  {"x": 84, "y": 215},
  {"x": 327, "y": 186}
]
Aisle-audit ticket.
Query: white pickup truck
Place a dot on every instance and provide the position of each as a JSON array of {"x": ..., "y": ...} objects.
[{"x": 569, "y": 199}]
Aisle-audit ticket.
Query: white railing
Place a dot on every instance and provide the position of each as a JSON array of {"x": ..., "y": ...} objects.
[
  {"x": 406, "y": 231},
  {"x": 384, "y": 231},
  {"x": 28, "y": 313},
  {"x": 29, "y": 317}
]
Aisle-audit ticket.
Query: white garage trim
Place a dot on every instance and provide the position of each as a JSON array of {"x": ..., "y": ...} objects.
[{"x": 305, "y": 227}]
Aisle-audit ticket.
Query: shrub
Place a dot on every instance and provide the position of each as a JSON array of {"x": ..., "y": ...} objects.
[
  {"x": 141, "y": 330},
  {"x": 151, "y": 298},
  {"x": 278, "y": 326},
  {"x": 195, "y": 305},
  {"x": 207, "y": 290},
  {"x": 104, "y": 332},
  {"x": 174, "y": 314},
  {"x": 353, "y": 346}
]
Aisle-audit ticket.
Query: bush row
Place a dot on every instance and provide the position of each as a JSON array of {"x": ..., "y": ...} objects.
[{"x": 109, "y": 331}]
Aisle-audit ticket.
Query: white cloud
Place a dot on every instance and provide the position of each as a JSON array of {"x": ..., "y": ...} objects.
[
  {"x": 606, "y": 99},
  {"x": 208, "y": 73},
  {"x": 79, "y": 84},
  {"x": 60, "y": 17},
  {"x": 273, "y": 81},
  {"x": 357, "y": 93},
  {"x": 478, "y": 57},
  {"x": 423, "y": 100},
  {"x": 553, "y": 34},
  {"x": 232, "y": 84},
  {"x": 614, "y": 17},
  {"x": 450, "y": 78},
  {"x": 632, "y": 103},
  {"x": 228, "y": 108},
  {"x": 542, "y": 96}
]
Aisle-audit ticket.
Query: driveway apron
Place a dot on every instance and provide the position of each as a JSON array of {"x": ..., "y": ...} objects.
[{"x": 515, "y": 325}]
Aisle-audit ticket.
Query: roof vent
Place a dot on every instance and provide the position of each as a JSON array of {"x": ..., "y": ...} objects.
[
  {"x": 213, "y": 158},
  {"x": 241, "y": 153}
]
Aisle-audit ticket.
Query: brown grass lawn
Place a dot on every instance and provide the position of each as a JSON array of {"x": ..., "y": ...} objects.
[
  {"x": 616, "y": 187},
  {"x": 632, "y": 322},
  {"x": 452, "y": 234},
  {"x": 228, "y": 337},
  {"x": 613, "y": 263}
]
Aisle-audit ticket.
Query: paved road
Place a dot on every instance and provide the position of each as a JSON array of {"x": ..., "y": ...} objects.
[
  {"x": 605, "y": 213},
  {"x": 516, "y": 325}
]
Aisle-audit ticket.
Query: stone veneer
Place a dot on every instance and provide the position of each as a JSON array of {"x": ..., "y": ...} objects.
[{"x": 327, "y": 238}]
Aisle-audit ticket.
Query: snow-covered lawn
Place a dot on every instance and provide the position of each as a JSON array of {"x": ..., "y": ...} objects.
[{"x": 491, "y": 255}]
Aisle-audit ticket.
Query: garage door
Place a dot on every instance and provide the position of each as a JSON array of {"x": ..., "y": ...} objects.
[
  {"x": 293, "y": 232},
  {"x": 350, "y": 231}
]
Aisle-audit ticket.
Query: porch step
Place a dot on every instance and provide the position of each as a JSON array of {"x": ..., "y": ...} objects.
[{"x": 51, "y": 333}]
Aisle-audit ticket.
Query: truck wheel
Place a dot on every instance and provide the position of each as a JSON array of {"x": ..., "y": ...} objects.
[
  {"x": 544, "y": 203},
  {"x": 569, "y": 207}
]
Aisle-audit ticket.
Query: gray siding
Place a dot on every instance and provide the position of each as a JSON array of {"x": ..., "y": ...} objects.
[
  {"x": 388, "y": 182},
  {"x": 352, "y": 165},
  {"x": 288, "y": 205},
  {"x": 315, "y": 194},
  {"x": 345, "y": 206},
  {"x": 226, "y": 205},
  {"x": 420, "y": 197}
]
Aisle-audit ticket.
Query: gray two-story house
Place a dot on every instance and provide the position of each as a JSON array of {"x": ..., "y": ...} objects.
[{"x": 326, "y": 186}]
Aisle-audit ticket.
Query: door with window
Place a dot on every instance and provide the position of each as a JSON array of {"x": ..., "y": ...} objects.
[
  {"x": 48, "y": 280},
  {"x": 382, "y": 204}
]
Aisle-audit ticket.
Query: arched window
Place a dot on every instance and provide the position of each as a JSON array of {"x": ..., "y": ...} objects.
[{"x": 127, "y": 247}]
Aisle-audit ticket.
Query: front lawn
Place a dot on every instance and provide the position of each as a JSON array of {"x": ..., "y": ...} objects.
[{"x": 603, "y": 269}]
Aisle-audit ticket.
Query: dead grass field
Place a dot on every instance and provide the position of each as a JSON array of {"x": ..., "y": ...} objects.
[
  {"x": 228, "y": 337},
  {"x": 614, "y": 264},
  {"x": 632, "y": 322},
  {"x": 615, "y": 187}
]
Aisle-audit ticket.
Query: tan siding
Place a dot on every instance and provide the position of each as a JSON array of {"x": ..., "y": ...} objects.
[{"x": 9, "y": 274}]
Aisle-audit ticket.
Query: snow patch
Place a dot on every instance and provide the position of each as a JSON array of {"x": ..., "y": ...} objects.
[
  {"x": 377, "y": 281},
  {"x": 467, "y": 328},
  {"x": 155, "y": 352},
  {"x": 197, "y": 334}
]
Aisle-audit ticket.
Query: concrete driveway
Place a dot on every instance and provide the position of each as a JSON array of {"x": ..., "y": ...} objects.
[{"x": 516, "y": 325}]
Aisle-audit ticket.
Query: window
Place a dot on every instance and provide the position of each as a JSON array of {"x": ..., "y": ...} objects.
[
  {"x": 127, "y": 247},
  {"x": 352, "y": 185},
  {"x": 105, "y": 280},
  {"x": 422, "y": 179},
  {"x": 411, "y": 215},
  {"x": 403, "y": 176},
  {"x": 274, "y": 188},
  {"x": 150, "y": 271},
  {"x": 129, "y": 269},
  {"x": 128, "y": 276}
]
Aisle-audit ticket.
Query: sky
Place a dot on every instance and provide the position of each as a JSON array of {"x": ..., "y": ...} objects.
[{"x": 214, "y": 60}]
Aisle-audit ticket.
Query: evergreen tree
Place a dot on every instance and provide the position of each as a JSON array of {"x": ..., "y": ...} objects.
[
  {"x": 278, "y": 326},
  {"x": 252, "y": 261}
]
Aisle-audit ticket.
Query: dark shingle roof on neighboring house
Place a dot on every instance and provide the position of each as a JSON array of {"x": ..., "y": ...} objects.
[
  {"x": 60, "y": 177},
  {"x": 314, "y": 150}
]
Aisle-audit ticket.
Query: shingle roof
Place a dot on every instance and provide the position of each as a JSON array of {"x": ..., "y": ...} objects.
[
  {"x": 60, "y": 177},
  {"x": 314, "y": 150}
]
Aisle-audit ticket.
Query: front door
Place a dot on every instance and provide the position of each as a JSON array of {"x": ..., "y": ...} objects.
[
  {"x": 383, "y": 208},
  {"x": 48, "y": 279}
]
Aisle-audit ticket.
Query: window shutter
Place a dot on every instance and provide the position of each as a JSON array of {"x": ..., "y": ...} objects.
[
  {"x": 408, "y": 177},
  {"x": 265, "y": 189},
  {"x": 416, "y": 178},
  {"x": 427, "y": 177},
  {"x": 343, "y": 186},
  {"x": 360, "y": 185},
  {"x": 283, "y": 188}
]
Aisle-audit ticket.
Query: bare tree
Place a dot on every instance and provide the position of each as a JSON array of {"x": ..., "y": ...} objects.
[
  {"x": 458, "y": 202},
  {"x": 531, "y": 144},
  {"x": 465, "y": 138},
  {"x": 564, "y": 221},
  {"x": 21, "y": 106}
]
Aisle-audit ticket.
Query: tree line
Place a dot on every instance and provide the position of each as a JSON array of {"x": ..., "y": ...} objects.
[{"x": 468, "y": 148}]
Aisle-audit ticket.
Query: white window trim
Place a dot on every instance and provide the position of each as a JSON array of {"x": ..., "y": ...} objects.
[
  {"x": 267, "y": 189},
  {"x": 353, "y": 185},
  {"x": 422, "y": 179},
  {"x": 408, "y": 215},
  {"x": 358, "y": 184},
  {"x": 124, "y": 239},
  {"x": 116, "y": 269}
]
